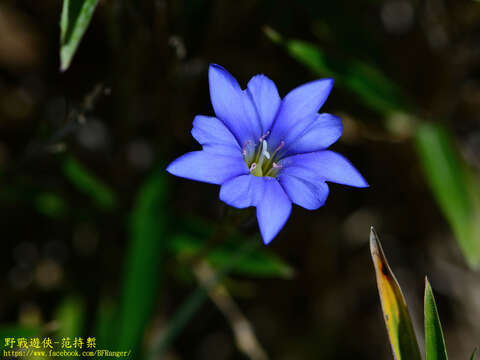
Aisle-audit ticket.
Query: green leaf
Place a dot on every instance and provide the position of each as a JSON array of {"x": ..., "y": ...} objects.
[
  {"x": 454, "y": 188},
  {"x": 70, "y": 316},
  {"x": 74, "y": 21},
  {"x": 50, "y": 204},
  {"x": 474, "y": 354},
  {"x": 371, "y": 86},
  {"x": 146, "y": 251},
  {"x": 434, "y": 342},
  {"x": 311, "y": 56},
  {"x": 15, "y": 331},
  {"x": 260, "y": 263},
  {"x": 397, "y": 318},
  {"x": 105, "y": 323},
  {"x": 89, "y": 184}
]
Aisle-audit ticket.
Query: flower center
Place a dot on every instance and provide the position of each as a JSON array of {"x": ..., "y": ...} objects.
[{"x": 259, "y": 159}]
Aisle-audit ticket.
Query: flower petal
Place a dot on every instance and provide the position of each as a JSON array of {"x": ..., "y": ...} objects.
[
  {"x": 273, "y": 205},
  {"x": 304, "y": 193},
  {"x": 208, "y": 167},
  {"x": 300, "y": 105},
  {"x": 326, "y": 165},
  {"x": 214, "y": 136},
  {"x": 273, "y": 210},
  {"x": 323, "y": 132},
  {"x": 233, "y": 106},
  {"x": 242, "y": 191},
  {"x": 265, "y": 97}
]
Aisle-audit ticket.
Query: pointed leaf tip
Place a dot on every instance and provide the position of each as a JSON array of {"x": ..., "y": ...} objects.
[
  {"x": 373, "y": 239},
  {"x": 397, "y": 318},
  {"x": 434, "y": 341}
]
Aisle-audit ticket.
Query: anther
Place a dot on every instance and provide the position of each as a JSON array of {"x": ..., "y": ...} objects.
[
  {"x": 276, "y": 166},
  {"x": 252, "y": 167},
  {"x": 282, "y": 143},
  {"x": 264, "y": 136},
  {"x": 244, "y": 150}
]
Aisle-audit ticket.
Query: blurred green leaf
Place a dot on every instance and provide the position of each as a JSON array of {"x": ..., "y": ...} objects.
[
  {"x": 145, "y": 253},
  {"x": 371, "y": 86},
  {"x": 193, "y": 303},
  {"x": 474, "y": 354},
  {"x": 434, "y": 342},
  {"x": 70, "y": 315},
  {"x": 259, "y": 263},
  {"x": 311, "y": 56},
  {"x": 89, "y": 184},
  {"x": 15, "y": 331},
  {"x": 454, "y": 188},
  {"x": 105, "y": 323},
  {"x": 74, "y": 21},
  {"x": 397, "y": 318},
  {"x": 50, "y": 204},
  {"x": 178, "y": 322}
]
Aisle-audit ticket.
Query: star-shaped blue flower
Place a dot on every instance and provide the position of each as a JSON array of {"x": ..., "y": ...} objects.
[{"x": 265, "y": 151}]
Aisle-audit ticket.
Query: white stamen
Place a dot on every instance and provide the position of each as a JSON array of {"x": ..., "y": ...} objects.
[{"x": 264, "y": 149}]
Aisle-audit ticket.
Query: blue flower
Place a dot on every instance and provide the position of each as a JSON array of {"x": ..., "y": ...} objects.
[{"x": 265, "y": 151}]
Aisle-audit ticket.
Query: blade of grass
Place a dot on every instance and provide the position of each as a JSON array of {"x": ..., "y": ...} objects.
[
  {"x": 89, "y": 184},
  {"x": 105, "y": 323},
  {"x": 75, "y": 18},
  {"x": 145, "y": 254},
  {"x": 397, "y": 318},
  {"x": 453, "y": 187},
  {"x": 70, "y": 316},
  {"x": 474, "y": 354},
  {"x": 434, "y": 342}
]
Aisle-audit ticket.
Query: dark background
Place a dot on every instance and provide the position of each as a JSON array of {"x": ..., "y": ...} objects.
[{"x": 152, "y": 58}]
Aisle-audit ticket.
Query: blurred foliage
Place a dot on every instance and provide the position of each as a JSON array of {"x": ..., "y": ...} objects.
[
  {"x": 454, "y": 187},
  {"x": 105, "y": 326},
  {"x": 89, "y": 184},
  {"x": 261, "y": 263},
  {"x": 367, "y": 82},
  {"x": 148, "y": 239},
  {"x": 15, "y": 331},
  {"x": 70, "y": 315},
  {"x": 51, "y": 204}
]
